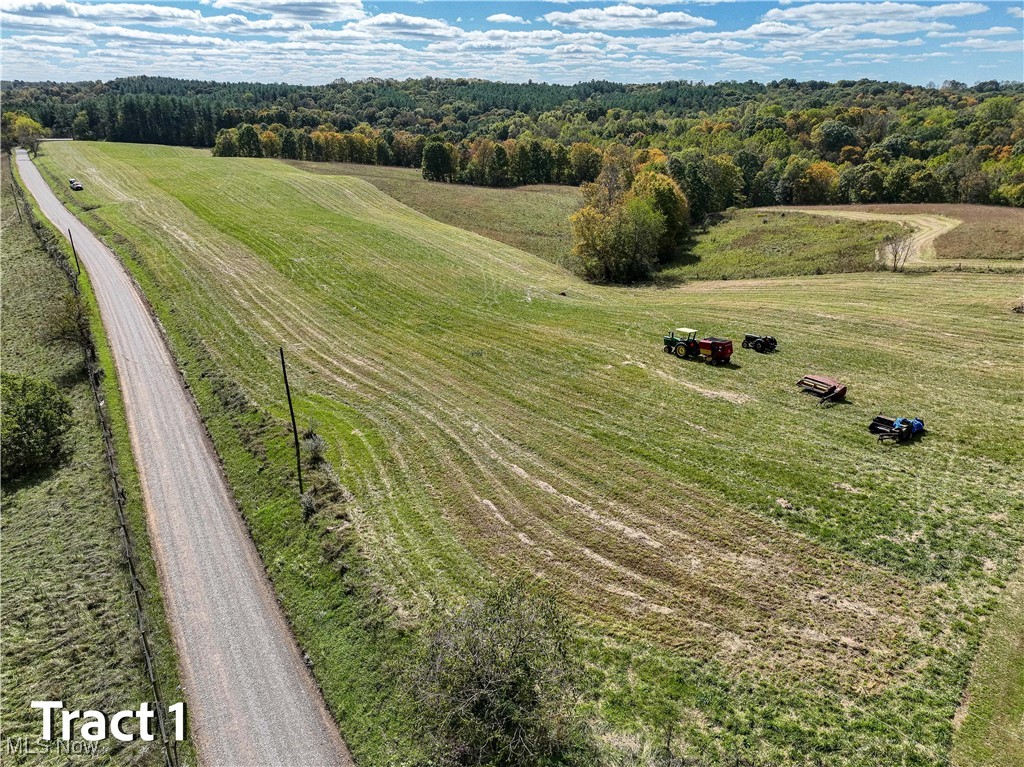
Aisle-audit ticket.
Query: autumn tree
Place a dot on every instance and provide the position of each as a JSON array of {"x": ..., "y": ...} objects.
[
  {"x": 617, "y": 244},
  {"x": 667, "y": 198}
]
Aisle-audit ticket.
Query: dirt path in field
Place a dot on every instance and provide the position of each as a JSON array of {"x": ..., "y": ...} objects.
[
  {"x": 251, "y": 699},
  {"x": 927, "y": 228}
]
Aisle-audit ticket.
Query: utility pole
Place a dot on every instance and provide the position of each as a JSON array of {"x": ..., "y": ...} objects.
[
  {"x": 295, "y": 430},
  {"x": 73, "y": 250}
]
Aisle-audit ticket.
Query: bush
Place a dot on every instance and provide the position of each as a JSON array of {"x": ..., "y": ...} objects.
[
  {"x": 497, "y": 683},
  {"x": 68, "y": 324},
  {"x": 35, "y": 417}
]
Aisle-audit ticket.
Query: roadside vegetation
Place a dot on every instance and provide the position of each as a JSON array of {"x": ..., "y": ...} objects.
[
  {"x": 68, "y": 630},
  {"x": 753, "y": 576}
]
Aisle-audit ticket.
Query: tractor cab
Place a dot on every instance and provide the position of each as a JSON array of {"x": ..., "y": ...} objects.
[{"x": 681, "y": 342}]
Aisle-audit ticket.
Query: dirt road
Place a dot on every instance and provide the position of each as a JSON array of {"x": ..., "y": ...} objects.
[
  {"x": 251, "y": 699},
  {"x": 927, "y": 228}
]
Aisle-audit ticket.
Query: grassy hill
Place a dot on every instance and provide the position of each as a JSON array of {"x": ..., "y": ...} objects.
[
  {"x": 536, "y": 219},
  {"x": 532, "y": 218},
  {"x": 753, "y": 563}
]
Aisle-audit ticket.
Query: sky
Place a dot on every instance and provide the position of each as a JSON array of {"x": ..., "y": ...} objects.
[{"x": 559, "y": 41}]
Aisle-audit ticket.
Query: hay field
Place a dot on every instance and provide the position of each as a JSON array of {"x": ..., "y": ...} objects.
[{"x": 794, "y": 587}]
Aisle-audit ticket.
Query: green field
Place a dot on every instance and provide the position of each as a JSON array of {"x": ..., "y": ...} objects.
[
  {"x": 761, "y": 566},
  {"x": 68, "y": 619},
  {"x": 531, "y": 218},
  {"x": 745, "y": 243},
  {"x": 755, "y": 244}
]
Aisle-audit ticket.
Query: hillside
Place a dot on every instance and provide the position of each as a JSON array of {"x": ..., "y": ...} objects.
[{"x": 760, "y": 564}]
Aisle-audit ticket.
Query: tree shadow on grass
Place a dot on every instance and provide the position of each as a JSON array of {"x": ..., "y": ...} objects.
[{"x": 682, "y": 256}]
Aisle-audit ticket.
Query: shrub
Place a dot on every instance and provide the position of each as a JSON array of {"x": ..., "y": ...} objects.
[
  {"x": 35, "y": 417},
  {"x": 68, "y": 324},
  {"x": 497, "y": 682},
  {"x": 314, "y": 446}
]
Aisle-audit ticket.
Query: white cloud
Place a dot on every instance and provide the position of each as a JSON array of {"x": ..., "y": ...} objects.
[
  {"x": 400, "y": 25},
  {"x": 309, "y": 11},
  {"x": 618, "y": 17},
  {"x": 505, "y": 18},
  {"x": 832, "y": 14},
  {"x": 987, "y": 45},
  {"x": 1016, "y": 10},
  {"x": 136, "y": 14},
  {"x": 990, "y": 32}
]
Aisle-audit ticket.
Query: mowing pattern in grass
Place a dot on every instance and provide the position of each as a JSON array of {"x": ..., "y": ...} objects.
[
  {"x": 531, "y": 218},
  {"x": 792, "y": 586},
  {"x": 991, "y": 719},
  {"x": 68, "y": 620}
]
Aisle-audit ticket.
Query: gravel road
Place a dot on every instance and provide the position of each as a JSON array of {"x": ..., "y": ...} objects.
[{"x": 251, "y": 699}]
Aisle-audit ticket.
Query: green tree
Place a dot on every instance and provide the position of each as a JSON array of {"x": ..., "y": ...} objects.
[
  {"x": 80, "y": 127},
  {"x": 437, "y": 162},
  {"x": 831, "y": 137},
  {"x": 585, "y": 162},
  {"x": 226, "y": 144},
  {"x": 249, "y": 142},
  {"x": 497, "y": 169},
  {"x": 726, "y": 181},
  {"x": 690, "y": 170},
  {"x": 35, "y": 417},
  {"x": 617, "y": 244},
  {"x": 28, "y": 133}
]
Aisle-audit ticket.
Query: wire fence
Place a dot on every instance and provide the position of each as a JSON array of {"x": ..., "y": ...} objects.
[{"x": 95, "y": 372}]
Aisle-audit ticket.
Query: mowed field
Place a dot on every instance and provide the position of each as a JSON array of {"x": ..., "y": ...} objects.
[
  {"x": 789, "y": 584},
  {"x": 532, "y": 218}
]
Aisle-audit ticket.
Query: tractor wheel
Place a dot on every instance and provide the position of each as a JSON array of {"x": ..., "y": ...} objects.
[
  {"x": 681, "y": 351},
  {"x": 667, "y": 349},
  {"x": 725, "y": 360},
  {"x": 746, "y": 344},
  {"x": 759, "y": 345}
]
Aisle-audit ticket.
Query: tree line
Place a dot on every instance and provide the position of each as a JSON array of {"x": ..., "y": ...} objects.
[{"x": 784, "y": 142}]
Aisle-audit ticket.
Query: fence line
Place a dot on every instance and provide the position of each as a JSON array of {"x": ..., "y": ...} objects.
[{"x": 95, "y": 372}]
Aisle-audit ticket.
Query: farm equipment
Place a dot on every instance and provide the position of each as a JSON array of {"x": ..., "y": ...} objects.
[
  {"x": 685, "y": 344},
  {"x": 824, "y": 388},
  {"x": 896, "y": 429},
  {"x": 75, "y": 184},
  {"x": 762, "y": 344}
]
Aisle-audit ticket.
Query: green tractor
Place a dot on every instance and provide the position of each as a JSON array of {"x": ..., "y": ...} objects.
[{"x": 682, "y": 342}]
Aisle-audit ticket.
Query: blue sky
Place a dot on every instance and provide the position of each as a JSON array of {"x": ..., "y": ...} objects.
[{"x": 565, "y": 41}]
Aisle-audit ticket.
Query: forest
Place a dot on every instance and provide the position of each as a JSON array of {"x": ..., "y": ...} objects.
[{"x": 736, "y": 144}]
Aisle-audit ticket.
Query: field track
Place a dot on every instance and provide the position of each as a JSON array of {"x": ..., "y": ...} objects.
[
  {"x": 927, "y": 228},
  {"x": 251, "y": 699}
]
